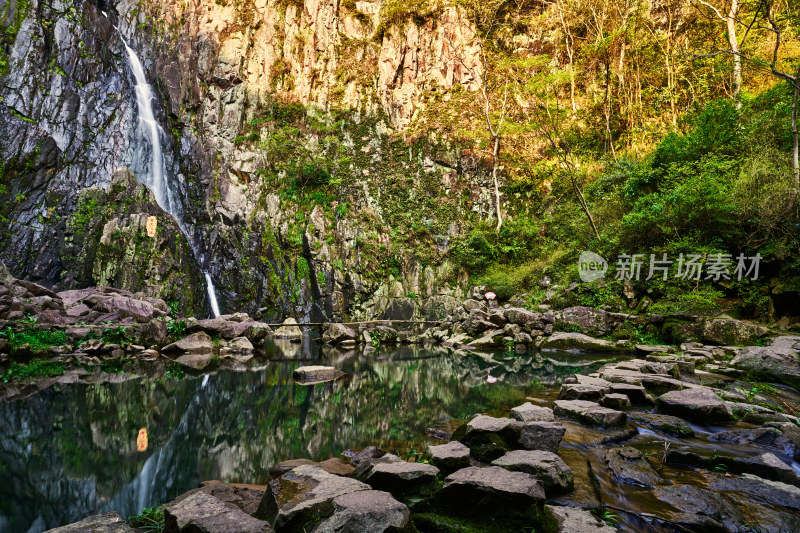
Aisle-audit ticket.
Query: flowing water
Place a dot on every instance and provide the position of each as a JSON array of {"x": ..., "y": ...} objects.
[{"x": 157, "y": 178}]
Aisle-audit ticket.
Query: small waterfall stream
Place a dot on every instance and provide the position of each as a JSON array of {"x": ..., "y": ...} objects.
[{"x": 157, "y": 179}]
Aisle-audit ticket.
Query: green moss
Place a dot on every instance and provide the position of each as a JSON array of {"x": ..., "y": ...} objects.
[
  {"x": 35, "y": 369},
  {"x": 36, "y": 338}
]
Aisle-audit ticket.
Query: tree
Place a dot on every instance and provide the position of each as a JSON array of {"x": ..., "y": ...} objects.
[{"x": 730, "y": 22}]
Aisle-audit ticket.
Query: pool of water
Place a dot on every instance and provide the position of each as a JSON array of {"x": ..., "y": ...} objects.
[{"x": 70, "y": 450}]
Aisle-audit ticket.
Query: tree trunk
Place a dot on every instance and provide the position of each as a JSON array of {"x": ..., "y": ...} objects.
[
  {"x": 737, "y": 59},
  {"x": 496, "y": 186},
  {"x": 795, "y": 148}
]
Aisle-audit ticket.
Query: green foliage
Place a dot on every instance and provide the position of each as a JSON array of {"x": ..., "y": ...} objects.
[
  {"x": 303, "y": 268},
  {"x": 35, "y": 369},
  {"x": 150, "y": 520},
  {"x": 174, "y": 371},
  {"x": 176, "y": 328},
  {"x": 37, "y": 339}
]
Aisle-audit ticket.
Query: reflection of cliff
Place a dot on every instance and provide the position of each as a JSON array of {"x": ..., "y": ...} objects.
[{"x": 71, "y": 452}]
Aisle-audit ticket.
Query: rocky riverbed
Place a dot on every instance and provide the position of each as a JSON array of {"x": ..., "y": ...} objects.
[{"x": 698, "y": 433}]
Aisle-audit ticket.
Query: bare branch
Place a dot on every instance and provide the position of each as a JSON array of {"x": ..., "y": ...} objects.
[{"x": 712, "y": 8}]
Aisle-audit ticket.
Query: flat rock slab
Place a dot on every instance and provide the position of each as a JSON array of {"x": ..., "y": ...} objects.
[
  {"x": 491, "y": 487},
  {"x": 196, "y": 343},
  {"x": 102, "y": 523},
  {"x": 242, "y": 496},
  {"x": 449, "y": 457},
  {"x": 697, "y": 405},
  {"x": 544, "y": 436},
  {"x": 527, "y": 412},
  {"x": 576, "y": 391},
  {"x": 619, "y": 402},
  {"x": 316, "y": 374},
  {"x": 578, "y": 342},
  {"x": 203, "y": 513},
  {"x": 773, "y": 491},
  {"x": 629, "y": 465},
  {"x": 331, "y": 466},
  {"x": 784, "y": 439},
  {"x": 303, "y": 497},
  {"x": 399, "y": 476},
  {"x": 368, "y": 511},
  {"x": 553, "y": 473},
  {"x": 590, "y": 413},
  {"x": 671, "y": 425},
  {"x": 574, "y": 520},
  {"x": 636, "y": 393},
  {"x": 766, "y": 466}
]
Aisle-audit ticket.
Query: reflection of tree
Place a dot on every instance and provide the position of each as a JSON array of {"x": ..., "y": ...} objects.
[{"x": 69, "y": 453}]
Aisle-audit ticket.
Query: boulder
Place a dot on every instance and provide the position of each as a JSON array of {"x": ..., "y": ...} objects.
[
  {"x": 336, "y": 333},
  {"x": 731, "y": 332},
  {"x": 591, "y": 321},
  {"x": 196, "y": 343},
  {"x": 700, "y": 405},
  {"x": 574, "y": 520},
  {"x": 524, "y": 318},
  {"x": 490, "y": 489},
  {"x": 578, "y": 342},
  {"x": 589, "y": 413},
  {"x": 780, "y": 361},
  {"x": 701, "y": 509},
  {"x": 671, "y": 425},
  {"x": 400, "y": 476},
  {"x": 289, "y": 330},
  {"x": 102, "y": 523},
  {"x": 616, "y": 401},
  {"x": 770, "y": 438},
  {"x": 553, "y": 473},
  {"x": 488, "y": 437},
  {"x": 368, "y": 510},
  {"x": 203, "y": 513},
  {"x": 544, "y": 436},
  {"x": 449, "y": 457},
  {"x": 576, "y": 391},
  {"x": 654, "y": 383},
  {"x": 629, "y": 465},
  {"x": 354, "y": 457},
  {"x": 527, "y": 412},
  {"x": 636, "y": 393},
  {"x": 331, "y": 466},
  {"x": 124, "y": 306},
  {"x": 303, "y": 497},
  {"x": 490, "y": 341},
  {"x": 771, "y": 491},
  {"x": 316, "y": 374}
]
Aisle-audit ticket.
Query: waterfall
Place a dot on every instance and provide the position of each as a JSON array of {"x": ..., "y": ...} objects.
[{"x": 157, "y": 178}]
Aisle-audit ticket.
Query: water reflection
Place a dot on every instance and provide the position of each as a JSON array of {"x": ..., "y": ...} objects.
[{"x": 67, "y": 451}]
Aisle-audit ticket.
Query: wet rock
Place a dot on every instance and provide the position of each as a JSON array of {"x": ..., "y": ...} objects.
[
  {"x": 368, "y": 510},
  {"x": 449, "y": 457},
  {"x": 332, "y": 466},
  {"x": 701, "y": 509},
  {"x": 616, "y": 401},
  {"x": 731, "y": 332},
  {"x": 196, "y": 343},
  {"x": 770, "y": 438},
  {"x": 573, "y": 520},
  {"x": 554, "y": 475},
  {"x": 354, "y": 457},
  {"x": 527, "y": 412},
  {"x": 629, "y": 465},
  {"x": 766, "y": 465},
  {"x": 779, "y": 361},
  {"x": 197, "y": 361},
  {"x": 671, "y": 425},
  {"x": 243, "y": 496},
  {"x": 203, "y": 513},
  {"x": 491, "y": 489},
  {"x": 771, "y": 491},
  {"x": 336, "y": 333},
  {"x": 591, "y": 321},
  {"x": 289, "y": 330},
  {"x": 301, "y": 498},
  {"x": 399, "y": 476},
  {"x": 578, "y": 342},
  {"x": 654, "y": 383},
  {"x": 697, "y": 405},
  {"x": 542, "y": 436},
  {"x": 574, "y": 391},
  {"x": 590, "y": 413},
  {"x": 102, "y": 523},
  {"x": 316, "y": 374},
  {"x": 488, "y": 437}
]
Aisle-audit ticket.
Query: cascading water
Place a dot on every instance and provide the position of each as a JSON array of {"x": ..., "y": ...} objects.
[{"x": 156, "y": 179}]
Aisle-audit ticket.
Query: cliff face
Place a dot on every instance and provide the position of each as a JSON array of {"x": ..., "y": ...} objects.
[{"x": 282, "y": 127}]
